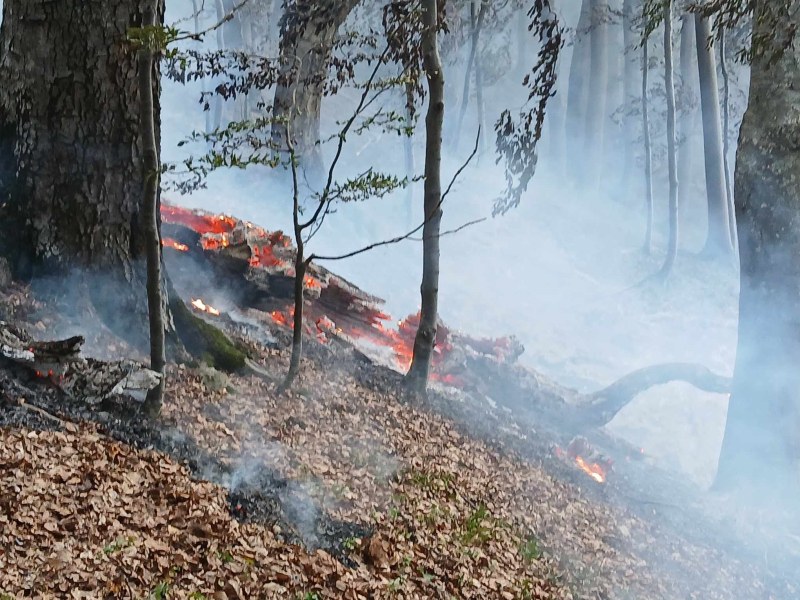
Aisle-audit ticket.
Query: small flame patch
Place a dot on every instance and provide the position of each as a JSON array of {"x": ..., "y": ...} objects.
[{"x": 201, "y": 306}]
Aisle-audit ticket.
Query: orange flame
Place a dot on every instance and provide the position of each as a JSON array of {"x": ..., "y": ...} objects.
[
  {"x": 593, "y": 470},
  {"x": 215, "y": 242},
  {"x": 174, "y": 244},
  {"x": 203, "y": 307}
]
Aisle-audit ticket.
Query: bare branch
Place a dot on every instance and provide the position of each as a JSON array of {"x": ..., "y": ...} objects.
[{"x": 409, "y": 235}]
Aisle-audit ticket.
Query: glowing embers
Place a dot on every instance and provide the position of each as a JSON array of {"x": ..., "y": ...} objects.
[
  {"x": 263, "y": 253},
  {"x": 168, "y": 242},
  {"x": 581, "y": 453},
  {"x": 201, "y": 306},
  {"x": 201, "y": 223},
  {"x": 215, "y": 241}
]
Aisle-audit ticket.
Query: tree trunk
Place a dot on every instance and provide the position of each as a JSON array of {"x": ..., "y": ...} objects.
[
  {"x": 408, "y": 147},
  {"x": 669, "y": 82},
  {"x": 719, "y": 238},
  {"x": 476, "y": 22},
  {"x": 760, "y": 449},
  {"x": 72, "y": 159},
  {"x": 594, "y": 132},
  {"x": 426, "y": 334},
  {"x": 71, "y": 150},
  {"x": 612, "y": 145},
  {"x": 308, "y": 31},
  {"x": 687, "y": 109},
  {"x": 630, "y": 85},
  {"x": 151, "y": 217},
  {"x": 578, "y": 92},
  {"x": 648, "y": 151},
  {"x": 726, "y": 137}
]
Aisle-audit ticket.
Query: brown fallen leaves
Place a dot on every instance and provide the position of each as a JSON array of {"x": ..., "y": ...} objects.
[{"x": 84, "y": 516}]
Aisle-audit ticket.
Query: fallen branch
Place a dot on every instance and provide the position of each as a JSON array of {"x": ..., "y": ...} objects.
[
  {"x": 59, "y": 362},
  {"x": 605, "y": 404}
]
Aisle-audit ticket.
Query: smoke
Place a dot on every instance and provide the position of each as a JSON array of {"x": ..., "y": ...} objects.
[
  {"x": 559, "y": 272},
  {"x": 553, "y": 272}
]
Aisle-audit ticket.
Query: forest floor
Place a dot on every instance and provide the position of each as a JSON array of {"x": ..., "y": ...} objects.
[{"x": 341, "y": 488}]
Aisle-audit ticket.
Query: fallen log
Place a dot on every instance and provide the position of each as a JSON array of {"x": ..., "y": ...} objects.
[{"x": 60, "y": 363}]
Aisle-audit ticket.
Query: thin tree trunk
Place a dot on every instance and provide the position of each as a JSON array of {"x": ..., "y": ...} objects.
[
  {"x": 612, "y": 145},
  {"x": 300, "y": 266},
  {"x": 151, "y": 176},
  {"x": 426, "y": 333},
  {"x": 408, "y": 143},
  {"x": 479, "y": 105},
  {"x": 630, "y": 85},
  {"x": 476, "y": 23},
  {"x": 669, "y": 82},
  {"x": 761, "y": 445},
  {"x": 719, "y": 238},
  {"x": 218, "y": 101},
  {"x": 594, "y": 132},
  {"x": 726, "y": 138},
  {"x": 648, "y": 151},
  {"x": 688, "y": 66}
]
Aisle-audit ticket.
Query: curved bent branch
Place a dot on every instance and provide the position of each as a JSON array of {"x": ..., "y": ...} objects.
[{"x": 602, "y": 406}]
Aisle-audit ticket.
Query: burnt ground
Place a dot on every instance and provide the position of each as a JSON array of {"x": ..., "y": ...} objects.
[{"x": 408, "y": 496}]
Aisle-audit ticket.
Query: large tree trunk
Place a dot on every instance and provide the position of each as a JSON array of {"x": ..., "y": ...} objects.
[
  {"x": 72, "y": 156},
  {"x": 71, "y": 177},
  {"x": 308, "y": 32},
  {"x": 71, "y": 151},
  {"x": 426, "y": 333},
  {"x": 594, "y": 131},
  {"x": 719, "y": 239},
  {"x": 760, "y": 447}
]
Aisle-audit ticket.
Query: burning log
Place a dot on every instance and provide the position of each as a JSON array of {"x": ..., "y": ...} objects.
[
  {"x": 256, "y": 268},
  {"x": 59, "y": 362}
]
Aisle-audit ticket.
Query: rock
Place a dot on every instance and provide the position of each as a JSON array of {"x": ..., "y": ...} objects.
[{"x": 5, "y": 273}]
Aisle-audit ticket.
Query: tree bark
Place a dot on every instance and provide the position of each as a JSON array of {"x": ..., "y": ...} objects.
[
  {"x": 72, "y": 173},
  {"x": 718, "y": 242},
  {"x": 426, "y": 333},
  {"x": 309, "y": 29},
  {"x": 151, "y": 217},
  {"x": 669, "y": 82},
  {"x": 760, "y": 447}
]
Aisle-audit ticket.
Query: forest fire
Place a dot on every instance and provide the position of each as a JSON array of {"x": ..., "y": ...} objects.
[
  {"x": 201, "y": 306},
  {"x": 581, "y": 453},
  {"x": 174, "y": 244},
  {"x": 333, "y": 307}
]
